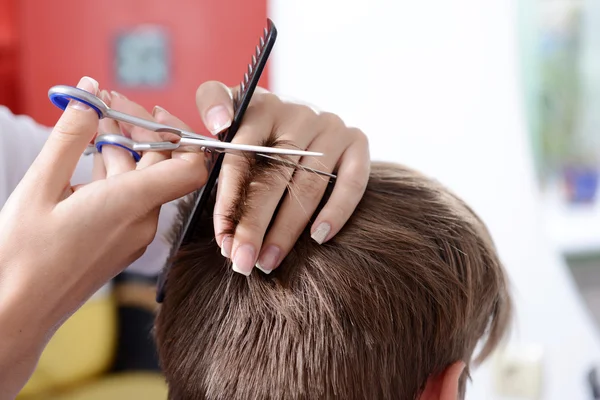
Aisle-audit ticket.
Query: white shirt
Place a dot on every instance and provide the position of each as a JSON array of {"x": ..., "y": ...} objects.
[{"x": 21, "y": 139}]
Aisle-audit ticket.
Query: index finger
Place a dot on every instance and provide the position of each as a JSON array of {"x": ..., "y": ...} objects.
[{"x": 165, "y": 181}]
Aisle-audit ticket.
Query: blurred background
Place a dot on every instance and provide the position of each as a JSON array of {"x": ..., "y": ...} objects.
[{"x": 499, "y": 100}]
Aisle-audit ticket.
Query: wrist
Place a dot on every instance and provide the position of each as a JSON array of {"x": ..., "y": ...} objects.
[
  {"x": 15, "y": 311},
  {"x": 23, "y": 317},
  {"x": 22, "y": 340}
]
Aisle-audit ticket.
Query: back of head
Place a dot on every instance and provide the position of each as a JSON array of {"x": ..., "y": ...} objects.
[{"x": 409, "y": 286}]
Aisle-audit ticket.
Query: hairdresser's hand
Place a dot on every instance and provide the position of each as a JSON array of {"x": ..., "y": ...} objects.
[
  {"x": 346, "y": 153},
  {"x": 59, "y": 244}
]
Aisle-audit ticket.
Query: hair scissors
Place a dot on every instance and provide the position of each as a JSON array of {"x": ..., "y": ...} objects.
[
  {"x": 135, "y": 147},
  {"x": 61, "y": 95}
]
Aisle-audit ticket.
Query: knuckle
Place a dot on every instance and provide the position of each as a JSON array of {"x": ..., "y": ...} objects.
[
  {"x": 68, "y": 128},
  {"x": 287, "y": 233},
  {"x": 108, "y": 125},
  {"x": 359, "y": 136},
  {"x": 310, "y": 185},
  {"x": 303, "y": 111},
  {"x": 162, "y": 118},
  {"x": 295, "y": 118},
  {"x": 356, "y": 183},
  {"x": 250, "y": 226},
  {"x": 290, "y": 229},
  {"x": 336, "y": 211},
  {"x": 331, "y": 120},
  {"x": 260, "y": 89},
  {"x": 266, "y": 100},
  {"x": 340, "y": 212}
]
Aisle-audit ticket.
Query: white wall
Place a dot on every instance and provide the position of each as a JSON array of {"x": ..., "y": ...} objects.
[{"x": 435, "y": 85}]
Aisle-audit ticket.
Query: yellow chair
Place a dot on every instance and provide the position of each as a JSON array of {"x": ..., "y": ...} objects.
[
  {"x": 75, "y": 363},
  {"x": 128, "y": 386}
]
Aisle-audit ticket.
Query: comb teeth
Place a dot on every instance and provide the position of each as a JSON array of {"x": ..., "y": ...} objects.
[{"x": 259, "y": 48}]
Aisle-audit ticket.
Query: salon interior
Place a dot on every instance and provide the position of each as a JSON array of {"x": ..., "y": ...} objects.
[{"x": 496, "y": 99}]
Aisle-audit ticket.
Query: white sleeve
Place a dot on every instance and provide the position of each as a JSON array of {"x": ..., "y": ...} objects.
[{"x": 21, "y": 140}]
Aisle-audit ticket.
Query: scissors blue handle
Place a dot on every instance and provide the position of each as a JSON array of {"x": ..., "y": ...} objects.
[
  {"x": 62, "y": 99},
  {"x": 100, "y": 143},
  {"x": 135, "y": 148}
]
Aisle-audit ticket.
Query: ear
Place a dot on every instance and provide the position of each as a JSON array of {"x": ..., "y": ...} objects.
[{"x": 445, "y": 385}]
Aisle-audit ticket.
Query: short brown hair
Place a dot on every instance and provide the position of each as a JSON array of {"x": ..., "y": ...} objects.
[{"x": 409, "y": 286}]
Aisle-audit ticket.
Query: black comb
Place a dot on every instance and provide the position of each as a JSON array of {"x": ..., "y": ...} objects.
[{"x": 241, "y": 102}]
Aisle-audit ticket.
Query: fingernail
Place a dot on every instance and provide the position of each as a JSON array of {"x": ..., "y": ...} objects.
[
  {"x": 218, "y": 119},
  {"x": 244, "y": 260},
  {"x": 105, "y": 96},
  {"x": 89, "y": 85},
  {"x": 226, "y": 246},
  {"x": 269, "y": 259},
  {"x": 320, "y": 234},
  {"x": 159, "y": 109},
  {"x": 117, "y": 94}
]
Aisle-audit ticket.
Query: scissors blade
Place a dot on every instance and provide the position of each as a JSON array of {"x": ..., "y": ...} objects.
[{"x": 247, "y": 147}]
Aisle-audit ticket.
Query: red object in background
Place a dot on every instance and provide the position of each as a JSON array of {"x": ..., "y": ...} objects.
[
  {"x": 9, "y": 91},
  {"x": 63, "y": 40}
]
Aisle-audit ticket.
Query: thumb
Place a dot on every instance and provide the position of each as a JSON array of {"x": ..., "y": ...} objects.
[
  {"x": 215, "y": 104},
  {"x": 56, "y": 163}
]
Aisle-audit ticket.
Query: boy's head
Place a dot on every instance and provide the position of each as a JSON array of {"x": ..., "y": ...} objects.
[{"x": 391, "y": 308}]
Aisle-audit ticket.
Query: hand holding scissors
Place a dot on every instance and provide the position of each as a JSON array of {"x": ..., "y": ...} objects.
[
  {"x": 61, "y": 95},
  {"x": 60, "y": 243}
]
